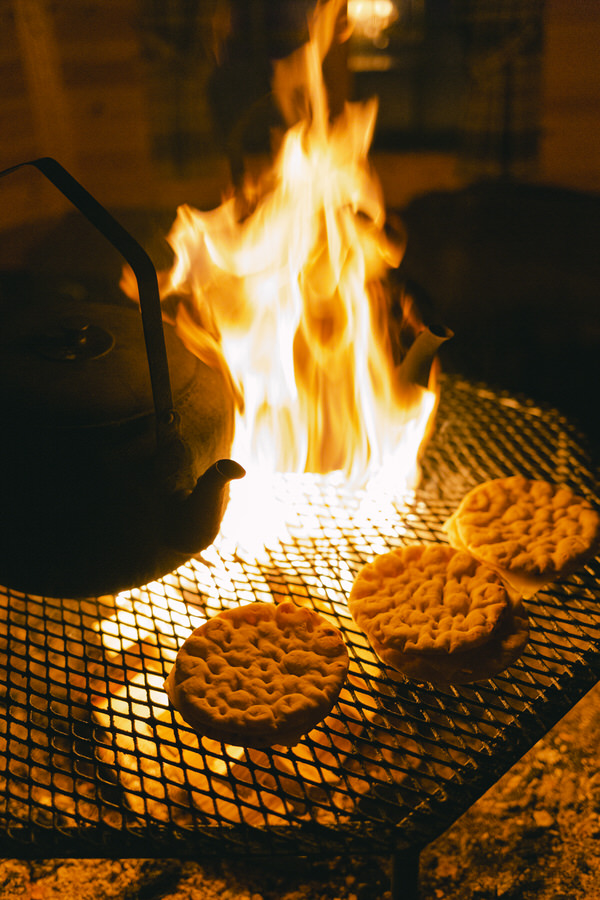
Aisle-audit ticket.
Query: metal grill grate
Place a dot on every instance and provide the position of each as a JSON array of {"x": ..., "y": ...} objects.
[{"x": 94, "y": 762}]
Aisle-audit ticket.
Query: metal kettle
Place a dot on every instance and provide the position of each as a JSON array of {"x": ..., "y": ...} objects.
[{"x": 114, "y": 465}]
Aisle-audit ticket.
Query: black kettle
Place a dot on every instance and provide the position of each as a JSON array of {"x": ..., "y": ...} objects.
[{"x": 114, "y": 465}]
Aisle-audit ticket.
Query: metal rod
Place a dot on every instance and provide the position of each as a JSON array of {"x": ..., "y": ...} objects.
[
  {"x": 405, "y": 874},
  {"x": 142, "y": 267}
]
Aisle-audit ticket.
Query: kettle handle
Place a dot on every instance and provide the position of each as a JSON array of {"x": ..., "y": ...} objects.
[{"x": 143, "y": 269}]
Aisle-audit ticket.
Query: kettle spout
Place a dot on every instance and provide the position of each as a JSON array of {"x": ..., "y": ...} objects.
[
  {"x": 191, "y": 524},
  {"x": 416, "y": 365}
]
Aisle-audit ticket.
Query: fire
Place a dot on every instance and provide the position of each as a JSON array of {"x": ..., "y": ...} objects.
[
  {"x": 372, "y": 17},
  {"x": 284, "y": 288}
]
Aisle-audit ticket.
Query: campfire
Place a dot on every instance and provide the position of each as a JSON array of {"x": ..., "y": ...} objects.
[
  {"x": 289, "y": 295},
  {"x": 285, "y": 289}
]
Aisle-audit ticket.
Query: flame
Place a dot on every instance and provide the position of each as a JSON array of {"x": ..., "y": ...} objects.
[{"x": 283, "y": 287}]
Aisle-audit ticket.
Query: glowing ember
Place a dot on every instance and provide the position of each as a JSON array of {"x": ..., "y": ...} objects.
[{"x": 284, "y": 288}]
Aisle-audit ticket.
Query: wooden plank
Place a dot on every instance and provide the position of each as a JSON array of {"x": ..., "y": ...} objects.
[{"x": 41, "y": 64}]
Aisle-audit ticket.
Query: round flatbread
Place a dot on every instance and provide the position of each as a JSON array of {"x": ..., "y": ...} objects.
[
  {"x": 259, "y": 674},
  {"x": 530, "y": 531},
  {"x": 436, "y": 614}
]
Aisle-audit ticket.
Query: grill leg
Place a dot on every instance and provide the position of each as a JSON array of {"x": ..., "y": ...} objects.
[{"x": 405, "y": 874}]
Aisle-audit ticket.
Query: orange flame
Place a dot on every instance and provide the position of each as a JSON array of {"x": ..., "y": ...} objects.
[{"x": 290, "y": 298}]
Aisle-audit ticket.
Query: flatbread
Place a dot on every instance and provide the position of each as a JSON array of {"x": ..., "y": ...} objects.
[
  {"x": 437, "y": 614},
  {"x": 259, "y": 674},
  {"x": 531, "y": 532}
]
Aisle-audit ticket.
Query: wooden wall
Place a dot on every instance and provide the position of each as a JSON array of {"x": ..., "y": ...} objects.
[
  {"x": 74, "y": 84},
  {"x": 570, "y": 149}
]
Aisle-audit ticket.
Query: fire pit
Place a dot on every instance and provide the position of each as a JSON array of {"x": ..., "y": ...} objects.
[{"x": 95, "y": 763}]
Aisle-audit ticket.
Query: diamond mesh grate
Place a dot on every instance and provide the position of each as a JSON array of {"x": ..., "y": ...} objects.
[{"x": 94, "y": 762}]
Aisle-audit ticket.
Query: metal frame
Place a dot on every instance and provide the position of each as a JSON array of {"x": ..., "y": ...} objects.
[{"x": 93, "y": 762}]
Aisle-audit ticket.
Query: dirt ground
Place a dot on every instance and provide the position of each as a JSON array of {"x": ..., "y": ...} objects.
[{"x": 534, "y": 836}]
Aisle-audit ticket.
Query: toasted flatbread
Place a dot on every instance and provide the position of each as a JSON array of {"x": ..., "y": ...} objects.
[
  {"x": 437, "y": 614},
  {"x": 531, "y": 532},
  {"x": 259, "y": 674}
]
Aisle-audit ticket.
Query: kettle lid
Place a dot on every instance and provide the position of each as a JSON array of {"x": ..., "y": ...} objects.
[{"x": 67, "y": 363}]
